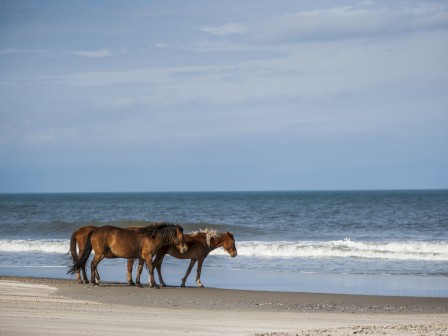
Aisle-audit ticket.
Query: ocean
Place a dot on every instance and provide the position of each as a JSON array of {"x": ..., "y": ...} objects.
[{"x": 360, "y": 242}]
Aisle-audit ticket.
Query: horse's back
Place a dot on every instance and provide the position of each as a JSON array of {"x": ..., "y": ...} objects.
[
  {"x": 110, "y": 233},
  {"x": 135, "y": 228},
  {"x": 116, "y": 242}
]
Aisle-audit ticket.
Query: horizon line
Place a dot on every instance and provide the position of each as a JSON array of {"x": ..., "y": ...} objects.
[{"x": 220, "y": 191}]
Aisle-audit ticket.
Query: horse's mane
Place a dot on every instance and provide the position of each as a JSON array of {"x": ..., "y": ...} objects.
[
  {"x": 209, "y": 234},
  {"x": 162, "y": 231}
]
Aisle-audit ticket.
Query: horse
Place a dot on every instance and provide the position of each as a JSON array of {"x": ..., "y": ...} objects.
[
  {"x": 200, "y": 244},
  {"x": 79, "y": 238},
  {"x": 143, "y": 243}
]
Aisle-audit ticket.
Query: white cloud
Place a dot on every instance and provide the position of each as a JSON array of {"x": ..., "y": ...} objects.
[
  {"x": 347, "y": 23},
  {"x": 91, "y": 54},
  {"x": 8, "y": 51},
  {"x": 336, "y": 11},
  {"x": 227, "y": 29},
  {"x": 82, "y": 53},
  {"x": 156, "y": 76},
  {"x": 366, "y": 3}
]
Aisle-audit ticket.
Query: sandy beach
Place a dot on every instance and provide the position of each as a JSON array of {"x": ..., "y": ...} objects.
[{"x": 37, "y": 306}]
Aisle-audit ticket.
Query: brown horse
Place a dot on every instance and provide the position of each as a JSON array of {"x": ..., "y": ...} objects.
[
  {"x": 79, "y": 238},
  {"x": 200, "y": 244},
  {"x": 143, "y": 243}
]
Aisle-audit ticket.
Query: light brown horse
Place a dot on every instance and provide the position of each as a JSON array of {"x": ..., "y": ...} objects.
[
  {"x": 79, "y": 239},
  {"x": 143, "y": 243},
  {"x": 200, "y": 244}
]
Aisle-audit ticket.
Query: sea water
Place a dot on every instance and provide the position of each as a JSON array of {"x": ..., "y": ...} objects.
[{"x": 364, "y": 242}]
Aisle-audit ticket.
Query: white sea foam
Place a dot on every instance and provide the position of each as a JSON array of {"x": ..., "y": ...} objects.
[
  {"x": 29, "y": 245},
  {"x": 410, "y": 250}
]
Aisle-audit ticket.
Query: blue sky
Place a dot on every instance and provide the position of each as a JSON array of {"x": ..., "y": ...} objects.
[{"x": 223, "y": 95}]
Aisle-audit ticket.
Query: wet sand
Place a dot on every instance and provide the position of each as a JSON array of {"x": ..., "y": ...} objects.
[{"x": 37, "y": 306}]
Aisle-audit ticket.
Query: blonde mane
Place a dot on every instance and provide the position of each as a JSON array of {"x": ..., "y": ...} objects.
[{"x": 209, "y": 234}]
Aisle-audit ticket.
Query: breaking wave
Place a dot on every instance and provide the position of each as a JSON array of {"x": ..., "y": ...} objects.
[
  {"x": 410, "y": 250},
  {"x": 39, "y": 246}
]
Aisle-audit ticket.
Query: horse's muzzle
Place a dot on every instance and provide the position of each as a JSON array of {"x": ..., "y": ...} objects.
[
  {"x": 233, "y": 254},
  {"x": 183, "y": 249}
]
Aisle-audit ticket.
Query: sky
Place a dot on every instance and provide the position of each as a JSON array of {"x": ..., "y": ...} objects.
[{"x": 106, "y": 96}]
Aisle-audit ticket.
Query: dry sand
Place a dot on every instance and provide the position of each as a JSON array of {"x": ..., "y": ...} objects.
[{"x": 35, "y": 306}]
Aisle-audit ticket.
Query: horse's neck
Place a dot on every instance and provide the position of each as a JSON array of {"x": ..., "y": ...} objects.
[
  {"x": 212, "y": 243},
  {"x": 216, "y": 242}
]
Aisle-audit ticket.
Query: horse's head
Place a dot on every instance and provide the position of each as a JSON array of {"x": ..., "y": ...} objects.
[
  {"x": 180, "y": 240},
  {"x": 229, "y": 244}
]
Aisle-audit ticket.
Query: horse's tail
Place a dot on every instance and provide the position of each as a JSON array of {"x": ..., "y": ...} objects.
[
  {"x": 73, "y": 251},
  {"x": 83, "y": 258}
]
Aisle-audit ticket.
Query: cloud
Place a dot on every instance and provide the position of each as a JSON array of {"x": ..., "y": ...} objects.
[
  {"x": 227, "y": 29},
  {"x": 156, "y": 75},
  {"x": 340, "y": 23},
  {"x": 91, "y": 54},
  {"x": 364, "y": 19},
  {"x": 81, "y": 53},
  {"x": 366, "y": 3},
  {"x": 9, "y": 51}
]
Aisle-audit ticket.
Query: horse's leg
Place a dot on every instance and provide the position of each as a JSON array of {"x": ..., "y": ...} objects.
[
  {"x": 84, "y": 274},
  {"x": 139, "y": 272},
  {"x": 81, "y": 270},
  {"x": 97, "y": 275},
  {"x": 129, "y": 275},
  {"x": 190, "y": 267},
  {"x": 94, "y": 272},
  {"x": 151, "y": 280},
  {"x": 158, "y": 264},
  {"x": 198, "y": 277},
  {"x": 78, "y": 276}
]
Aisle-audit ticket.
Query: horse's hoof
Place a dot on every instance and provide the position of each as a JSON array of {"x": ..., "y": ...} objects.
[
  {"x": 163, "y": 285},
  {"x": 182, "y": 286},
  {"x": 139, "y": 285},
  {"x": 131, "y": 283},
  {"x": 154, "y": 286}
]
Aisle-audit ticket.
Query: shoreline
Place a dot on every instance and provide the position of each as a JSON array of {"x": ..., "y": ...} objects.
[{"x": 34, "y": 306}]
